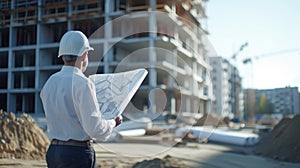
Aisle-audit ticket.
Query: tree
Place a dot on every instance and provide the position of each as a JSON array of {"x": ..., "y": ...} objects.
[{"x": 264, "y": 106}]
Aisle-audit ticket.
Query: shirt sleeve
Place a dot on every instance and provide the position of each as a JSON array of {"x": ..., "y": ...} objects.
[{"x": 89, "y": 115}]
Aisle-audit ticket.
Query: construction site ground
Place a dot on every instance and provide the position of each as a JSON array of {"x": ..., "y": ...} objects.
[{"x": 189, "y": 155}]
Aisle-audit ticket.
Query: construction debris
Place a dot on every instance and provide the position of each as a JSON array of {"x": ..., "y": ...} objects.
[
  {"x": 268, "y": 120},
  {"x": 209, "y": 120},
  {"x": 166, "y": 162},
  {"x": 282, "y": 143},
  {"x": 219, "y": 135},
  {"x": 21, "y": 137}
]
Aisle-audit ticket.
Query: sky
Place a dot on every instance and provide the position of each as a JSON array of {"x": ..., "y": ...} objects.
[{"x": 268, "y": 26}]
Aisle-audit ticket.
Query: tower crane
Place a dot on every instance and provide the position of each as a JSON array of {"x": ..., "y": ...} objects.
[
  {"x": 249, "y": 59},
  {"x": 251, "y": 93}
]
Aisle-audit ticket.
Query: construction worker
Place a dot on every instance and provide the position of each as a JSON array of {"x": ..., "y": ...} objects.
[{"x": 72, "y": 111}]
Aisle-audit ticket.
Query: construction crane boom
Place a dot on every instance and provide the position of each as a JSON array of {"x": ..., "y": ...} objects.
[{"x": 249, "y": 59}]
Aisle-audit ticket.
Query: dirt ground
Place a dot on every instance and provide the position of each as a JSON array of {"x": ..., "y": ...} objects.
[
  {"x": 194, "y": 155},
  {"x": 282, "y": 143},
  {"x": 23, "y": 145}
]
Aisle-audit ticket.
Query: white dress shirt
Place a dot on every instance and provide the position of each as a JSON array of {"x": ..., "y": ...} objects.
[{"x": 71, "y": 107}]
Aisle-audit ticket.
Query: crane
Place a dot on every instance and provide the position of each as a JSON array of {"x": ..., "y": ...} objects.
[
  {"x": 249, "y": 59},
  {"x": 235, "y": 86},
  {"x": 241, "y": 49},
  {"x": 251, "y": 93}
]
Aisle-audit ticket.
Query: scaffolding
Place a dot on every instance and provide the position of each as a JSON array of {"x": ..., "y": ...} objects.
[
  {"x": 54, "y": 9},
  {"x": 24, "y": 11},
  {"x": 5, "y": 12},
  {"x": 137, "y": 5},
  {"x": 87, "y": 8}
]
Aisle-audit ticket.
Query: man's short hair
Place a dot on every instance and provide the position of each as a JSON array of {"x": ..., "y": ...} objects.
[{"x": 70, "y": 58}]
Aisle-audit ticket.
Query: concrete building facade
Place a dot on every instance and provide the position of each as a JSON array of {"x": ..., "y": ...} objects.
[
  {"x": 163, "y": 36},
  {"x": 227, "y": 88},
  {"x": 284, "y": 101}
]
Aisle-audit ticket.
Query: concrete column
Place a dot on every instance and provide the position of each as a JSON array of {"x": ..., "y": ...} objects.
[
  {"x": 108, "y": 25},
  {"x": 173, "y": 105},
  {"x": 69, "y": 6},
  {"x": 188, "y": 104},
  {"x": 10, "y": 100},
  {"x": 37, "y": 102},
  {"x": 107, "y": 36},
  {"x": 152, "y": 54}
]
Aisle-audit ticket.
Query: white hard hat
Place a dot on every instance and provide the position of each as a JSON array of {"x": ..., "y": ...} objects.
[{"x": 73, "y": 43}]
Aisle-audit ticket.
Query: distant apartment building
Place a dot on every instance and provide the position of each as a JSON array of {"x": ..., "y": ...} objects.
[
  {"x": 283, "y": 101},
  {"x": 167, "y": 43},
  {"x": 227, "y": 88}
]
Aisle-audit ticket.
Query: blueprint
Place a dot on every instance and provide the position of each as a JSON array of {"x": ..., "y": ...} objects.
[{"x": 114, "y": 91}]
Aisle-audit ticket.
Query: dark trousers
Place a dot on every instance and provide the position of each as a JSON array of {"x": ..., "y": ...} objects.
[{"x": 63, "y": 156}]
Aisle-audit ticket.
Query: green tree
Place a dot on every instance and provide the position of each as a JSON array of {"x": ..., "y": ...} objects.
[{"x": 264, "y": 106}]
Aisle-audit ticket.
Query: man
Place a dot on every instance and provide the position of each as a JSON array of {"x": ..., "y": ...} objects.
[{"x": 71, "y": 108}]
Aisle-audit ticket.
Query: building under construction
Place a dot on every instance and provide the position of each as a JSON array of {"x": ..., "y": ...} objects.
[{"x": 163, "y": 36}]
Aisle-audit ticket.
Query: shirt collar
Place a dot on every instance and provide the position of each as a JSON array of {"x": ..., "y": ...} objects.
[{"x": 73, "y": 69}]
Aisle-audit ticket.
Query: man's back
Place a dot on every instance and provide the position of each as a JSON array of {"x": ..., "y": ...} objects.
[{"x": 58, "y": 95}]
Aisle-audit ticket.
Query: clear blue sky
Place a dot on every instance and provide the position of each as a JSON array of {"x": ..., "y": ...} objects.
[{"x": 268, "y": 26}]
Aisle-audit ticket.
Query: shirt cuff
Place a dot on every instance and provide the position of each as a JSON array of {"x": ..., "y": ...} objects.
[{"x": 112, "y": 123}]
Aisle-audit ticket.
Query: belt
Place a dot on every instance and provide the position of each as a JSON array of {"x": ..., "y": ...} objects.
[{"x": 72, "y": 142}]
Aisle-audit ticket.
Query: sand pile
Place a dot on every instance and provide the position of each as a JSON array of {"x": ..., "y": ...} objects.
[
  {"x": 209, "y": 120},
  {"x": 283, "y": 142},
  {"x": 166, "y": 162},
  {"x": 267, "y": 119},
  {"x": 21, "y": 137}
]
